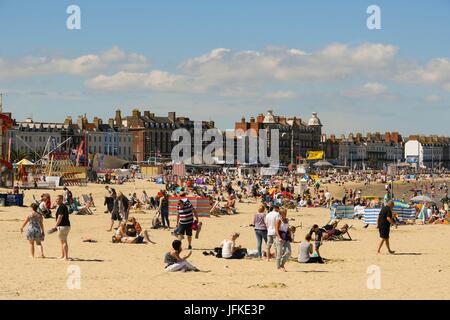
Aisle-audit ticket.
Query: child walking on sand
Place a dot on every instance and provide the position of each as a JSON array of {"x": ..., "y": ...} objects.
[{"x": 35, "y": 231}]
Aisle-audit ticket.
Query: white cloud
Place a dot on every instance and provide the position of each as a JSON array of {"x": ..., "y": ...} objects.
[
  {"x": 370, "y": 89},
  {"x": 281, "y": 95},
  {"x": 436, "y": 71},
  {"x": 433, "y": 98},
  {"x": 154, "y": 80},
  {"x": 446, "y": 86},
  {"x": 32, "y": 66},
  {"x": 278, "y": 64},
  {"x": 240, "y": 73}
]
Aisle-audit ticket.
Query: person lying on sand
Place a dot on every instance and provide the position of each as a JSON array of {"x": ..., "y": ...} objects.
[
  {"x": 333, "y": 231},
  {"x": 174, "y": 262}
]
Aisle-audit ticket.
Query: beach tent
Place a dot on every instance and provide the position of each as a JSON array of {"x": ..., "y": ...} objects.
[
  {"x": 422, "y": 199},
  {"x": 201, "y": 205},
  {"x": 322, "y": 164}
]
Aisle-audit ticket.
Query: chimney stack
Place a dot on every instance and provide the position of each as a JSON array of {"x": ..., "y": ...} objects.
[
  {"x": 96, "y": 122},
  {"x": 68, "y": 121},
  {"x": 118, "y": 118},
  {"x": 136, "y": 113},
  {"x": 172, "y": 116}
]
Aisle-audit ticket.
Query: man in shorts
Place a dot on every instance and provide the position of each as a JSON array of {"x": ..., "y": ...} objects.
[
  {"x": 385, "y": 221},
  {"x": 185, "y": 218},
  {"x": 271, "y": 221}
]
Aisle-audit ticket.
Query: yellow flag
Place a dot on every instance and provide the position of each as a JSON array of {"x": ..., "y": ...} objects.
[{"x": 315, "y": 155}]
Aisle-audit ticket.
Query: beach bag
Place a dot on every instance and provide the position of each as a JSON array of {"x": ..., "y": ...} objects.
[{"x": 218, "y": 252}]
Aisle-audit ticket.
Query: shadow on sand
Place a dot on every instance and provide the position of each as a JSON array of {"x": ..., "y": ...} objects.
[{"x": 407, "y": 254}]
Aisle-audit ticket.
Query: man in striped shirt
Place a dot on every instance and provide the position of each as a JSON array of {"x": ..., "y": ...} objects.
[{"x": 185, "y": 218}]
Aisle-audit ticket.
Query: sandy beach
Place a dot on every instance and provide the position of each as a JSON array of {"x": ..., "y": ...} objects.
[{"x": 420, "y": 270}]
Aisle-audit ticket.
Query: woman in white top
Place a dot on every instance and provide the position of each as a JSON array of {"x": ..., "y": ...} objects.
[
  {"x": 230, "y": 250},
  {"x": 305, "y": 249},
  {"x": 283, "y": 244}
]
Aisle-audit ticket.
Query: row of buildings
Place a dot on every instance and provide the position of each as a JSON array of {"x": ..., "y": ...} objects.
[
  {"x": 137, "y": 137},
  {"x": 142, "y": 136},
  {"x": 376, "y": 150}
]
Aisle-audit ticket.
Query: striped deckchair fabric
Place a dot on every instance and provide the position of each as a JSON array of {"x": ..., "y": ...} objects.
[
  {"x": 342, "y": 212},
  {"x": 371, "y": 215},
  {"x": 179, "y": 170},
  {"x": 404, "y": 211},
  {"x": 201, "y": 205}
]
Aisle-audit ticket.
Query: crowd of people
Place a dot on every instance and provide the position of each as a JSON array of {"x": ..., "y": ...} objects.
[{"x": 273, "y": 229}]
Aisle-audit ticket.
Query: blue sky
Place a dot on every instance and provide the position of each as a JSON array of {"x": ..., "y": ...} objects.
[{"x": 228, "y": 59}]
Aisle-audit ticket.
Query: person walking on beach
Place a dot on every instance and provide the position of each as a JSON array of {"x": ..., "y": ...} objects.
[
  {"x": 385, "y": 221},
  {"x": 35, "y": 231},
  {"x": 271, "y": 220},
  {"x": 109, "y": 200},
  {"x": 185, "y": 219},
  {"x": 260, "y": 228},
  {"x": 63, "y": 226},
  {"x": 124, "y": 206},
  {"x": 164, "y": 210},
  {"x": 115, "y": 209},
  {"x": 283, "y": 240}
]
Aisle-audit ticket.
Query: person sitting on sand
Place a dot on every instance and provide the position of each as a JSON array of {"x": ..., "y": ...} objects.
[
  {"x": 145, "y": 200},
  {"x": 135, "y": 203},
  {"x": 216, "y": 209},
  {"x": 128, "y": 233},
  {"x": 44, "y": 207},
  {"x": 35, "y": 231},
  {"x": 333, "y": 231},
  {"x": 134, "y": 229},
  {"x": 318, "y": 237},
  {"x": 305, "y": 251},
  {"x": 174, "y": 262},
  {"x": 230, "y": 250},
  {"x": 231, "y": 205}
]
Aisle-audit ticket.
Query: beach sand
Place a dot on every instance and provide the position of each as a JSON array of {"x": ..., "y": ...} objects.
[{"x": 118, "y": 271}]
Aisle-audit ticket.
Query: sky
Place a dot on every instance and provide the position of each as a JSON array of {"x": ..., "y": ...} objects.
[{"x": 222, "y": 60}]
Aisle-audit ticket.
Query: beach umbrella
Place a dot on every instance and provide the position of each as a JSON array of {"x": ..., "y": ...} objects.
[
  {"x": 422, "y": 199},
  {"x": 25, "y": 162}
]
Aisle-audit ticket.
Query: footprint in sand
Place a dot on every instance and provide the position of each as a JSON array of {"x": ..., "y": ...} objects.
[{"x": 273, "y": 285}]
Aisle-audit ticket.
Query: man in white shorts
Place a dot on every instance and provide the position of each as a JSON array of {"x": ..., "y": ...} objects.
[{"x": 271, "y": 221}]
